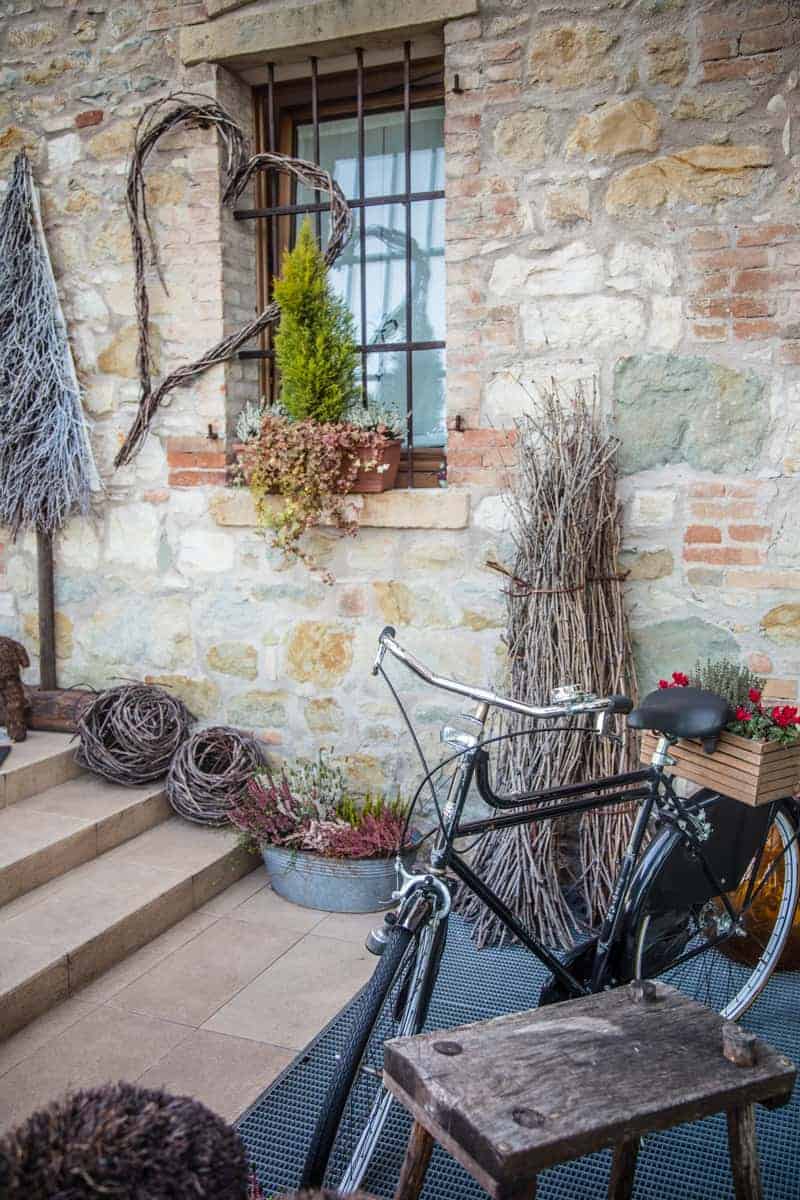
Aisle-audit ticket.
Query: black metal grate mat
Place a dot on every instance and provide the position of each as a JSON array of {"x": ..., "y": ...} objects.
[{"x": 687, "y": 1163}]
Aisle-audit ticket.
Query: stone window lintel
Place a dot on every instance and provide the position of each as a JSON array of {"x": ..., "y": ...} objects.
[{"x": 252, "y": 37}]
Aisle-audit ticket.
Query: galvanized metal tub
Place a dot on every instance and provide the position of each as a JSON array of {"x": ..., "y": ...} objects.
[{"x": 332, "y": 884}]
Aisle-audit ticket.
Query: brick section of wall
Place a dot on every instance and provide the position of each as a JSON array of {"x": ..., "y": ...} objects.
[
  {"x": 196, "y": 462},
  {"x": 482, "y": 456},
  {"x": 745, "y": 285},
  {"x": 745, "y": 43},
  {"x": 725, "y": 529}
]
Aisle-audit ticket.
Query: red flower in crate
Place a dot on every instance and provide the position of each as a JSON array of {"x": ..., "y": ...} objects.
[
  {"x": 755, "y": 695},
  {"x": 742, "y": 714},
  {"x": 678, "y": 680}
]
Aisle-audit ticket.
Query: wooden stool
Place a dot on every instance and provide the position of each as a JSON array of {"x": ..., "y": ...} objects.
[{"x": 512, "y": 1096}]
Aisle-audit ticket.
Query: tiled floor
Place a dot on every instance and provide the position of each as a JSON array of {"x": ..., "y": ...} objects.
[{"x": 214, "y": 1008}]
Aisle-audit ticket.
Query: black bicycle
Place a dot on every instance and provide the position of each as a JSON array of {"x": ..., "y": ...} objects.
[{"x": 706, "y": 903}]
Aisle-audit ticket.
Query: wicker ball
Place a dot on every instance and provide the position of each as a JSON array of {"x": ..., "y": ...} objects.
[
  {"x": 128, "y": 734},
  {"x": 119, "y": 1141},
  {"x": 210, "y": 771}
]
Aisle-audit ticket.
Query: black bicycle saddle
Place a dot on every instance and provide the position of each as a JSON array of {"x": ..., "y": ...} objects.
[{"x": 683, "y": 712}]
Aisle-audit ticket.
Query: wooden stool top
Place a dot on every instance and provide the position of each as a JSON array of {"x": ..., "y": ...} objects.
[{"x": 511, "y": 1096}]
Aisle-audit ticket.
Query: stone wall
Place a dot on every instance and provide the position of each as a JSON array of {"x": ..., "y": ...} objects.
[{"x": 622, "y": 191}]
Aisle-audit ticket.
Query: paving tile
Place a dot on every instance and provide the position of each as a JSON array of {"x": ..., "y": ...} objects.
[
  {"x": 73, "y": 916},
  {"x": 103, "y": 1046},
  {"x": 234, "y": 896},
  {"x": 37, "y": 847},
  {"x": 226, "y": 1073},
  {"x": 266, "y": 908},
  {"x": 40, "y": 1032},
  {"x": 350, "y": 927},
  {"x": 24, "y": 830},
  {"x": 215, "y": 877},
  {"x": 294, "y": 998},
  {"x": 194, "y": 981},
  {"x": 91, "y": 798},
  {"x": 131, "y": 968}
]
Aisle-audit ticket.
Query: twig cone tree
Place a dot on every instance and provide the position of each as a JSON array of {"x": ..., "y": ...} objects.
[
  {"x": 46, "y": 467},
  {"x": 566, "y": 624}
]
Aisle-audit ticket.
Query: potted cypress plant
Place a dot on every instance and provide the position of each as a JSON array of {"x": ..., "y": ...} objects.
[
  {"x": 323, "y": 847},
  {"x": 319, "y": 443}
]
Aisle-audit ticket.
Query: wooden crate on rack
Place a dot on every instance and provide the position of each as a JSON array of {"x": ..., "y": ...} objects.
[{"x": 752, "y": 772}]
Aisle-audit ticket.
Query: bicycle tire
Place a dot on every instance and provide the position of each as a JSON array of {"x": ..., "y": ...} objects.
[
  {"x": 399, "y": 958},
  {"x": 736, "y": 983}
]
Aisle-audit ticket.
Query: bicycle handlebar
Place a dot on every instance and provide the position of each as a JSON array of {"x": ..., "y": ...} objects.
[{"x": 386, "y": 641}]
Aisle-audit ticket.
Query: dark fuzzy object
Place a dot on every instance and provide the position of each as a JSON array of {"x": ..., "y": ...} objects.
[
  {"x": 121, "y": 1142},
  {"x": 129, "y": 733},
  {"x": 13, "y": 656},
  {"x": 210, "y": 772}
]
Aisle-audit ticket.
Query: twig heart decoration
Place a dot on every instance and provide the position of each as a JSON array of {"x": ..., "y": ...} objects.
[{"x": 196, "y": 110}]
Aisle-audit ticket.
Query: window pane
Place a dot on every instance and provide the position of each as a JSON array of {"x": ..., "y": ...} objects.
[
  {"x": 345, "y": 274},
  {"x": 386, "y": 379},
  {"x": 427, "y": 149},
  {"x": 386, "y": 272},
  {"x": 338, "y": 153},
  {"x": 427, "y": 271},
  {"x": 428, "y": 372}
]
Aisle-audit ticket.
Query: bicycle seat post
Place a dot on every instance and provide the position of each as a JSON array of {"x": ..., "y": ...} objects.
[{"x": 661, "y": 756}]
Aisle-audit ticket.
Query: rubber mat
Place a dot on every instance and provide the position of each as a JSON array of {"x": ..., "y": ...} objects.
[{"x": 686, "y": 1163}]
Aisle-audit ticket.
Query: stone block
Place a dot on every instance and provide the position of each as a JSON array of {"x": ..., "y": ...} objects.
[
  {"x": 698, "y": 175},
  {"x": 582, "y": 321},
  {"x": 647, "y": 564},
  {"x": 568, "y": 203},
  {"x": 676, "y": 645},
  {"x": 571, "y": 56},
  {"x": 205, "y": 550},
  {"x": 667, "y": 59},
  {"x": 257, "y": 709},
  {"x": 616, "y": 128},
  {"x": 133, "y": 534},
  {"x": 782, "y": 624},
  {"x": 319, "y": 653},
  {"x": 521, "y": 137},
  {"x": 233, "y": 658},
  {"x": 672, "y": 408},
  {"x": 201, "y": 696}
]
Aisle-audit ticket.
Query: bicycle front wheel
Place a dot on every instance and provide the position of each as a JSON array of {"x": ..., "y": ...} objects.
[
  {"x": 356, "y": 1106},
  {"x": 723, "y": 954}
]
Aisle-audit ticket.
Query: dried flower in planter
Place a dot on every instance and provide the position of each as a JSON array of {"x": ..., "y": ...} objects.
[{"x": 307, "y": 807}]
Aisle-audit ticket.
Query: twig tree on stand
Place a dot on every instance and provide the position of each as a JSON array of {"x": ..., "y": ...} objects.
[{"x": 47, "y": 471}]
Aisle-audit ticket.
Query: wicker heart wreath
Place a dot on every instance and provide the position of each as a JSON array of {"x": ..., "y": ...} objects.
[{"x": 195, "y": 110}]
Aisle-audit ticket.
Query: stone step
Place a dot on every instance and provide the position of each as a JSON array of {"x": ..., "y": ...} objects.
[
  {"x": 58, "y": 937},
  {"x": 48, "y": 834},
  {"x": 42, "y": 761}
]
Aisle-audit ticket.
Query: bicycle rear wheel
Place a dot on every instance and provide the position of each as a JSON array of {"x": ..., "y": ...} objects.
[
  {"x": 356, "y": 1106},
  {"x": 726, "y": 961}
]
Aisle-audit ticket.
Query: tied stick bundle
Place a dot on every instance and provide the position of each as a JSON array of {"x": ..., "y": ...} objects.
[{"x": 566, "y": 625}]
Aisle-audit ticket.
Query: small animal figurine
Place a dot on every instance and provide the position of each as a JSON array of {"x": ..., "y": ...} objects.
[{"x": 13, "y": 656}]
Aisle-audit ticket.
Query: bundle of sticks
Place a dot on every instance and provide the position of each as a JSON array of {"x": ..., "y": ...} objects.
[{"x": 566, "y": 624}]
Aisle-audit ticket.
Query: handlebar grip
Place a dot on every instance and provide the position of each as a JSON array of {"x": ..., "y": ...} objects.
[
  {"x": 387, "y": 631},
  {"x": 620, "y": 704}
]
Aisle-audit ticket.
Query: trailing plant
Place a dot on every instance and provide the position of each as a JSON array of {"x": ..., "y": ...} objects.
[
  {"x": 312, "y": 466},
  {"x": 315, "y": 347},
  {"x": 307, "y": 807}
]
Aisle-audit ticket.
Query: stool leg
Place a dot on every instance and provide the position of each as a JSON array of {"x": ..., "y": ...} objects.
[
  {"x": 415, "y": 1163},
  {"x": 623, "y": 1169},
  {"x": 743, "y": 1148}
]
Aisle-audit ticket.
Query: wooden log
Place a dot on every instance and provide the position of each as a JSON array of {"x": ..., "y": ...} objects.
[
  {"x": 743, "y": 1148},
  {"x": 415, "y": 1163},
  {"x": 54, "y": 711},
  {"x": 623, "y": 1169},
  {"x": 47, "y": 611}
]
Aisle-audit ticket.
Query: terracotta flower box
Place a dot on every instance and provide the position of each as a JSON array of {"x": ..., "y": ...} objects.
[
  {"x": 383, "y": 475},
  {"x": 749, "y": 771}
]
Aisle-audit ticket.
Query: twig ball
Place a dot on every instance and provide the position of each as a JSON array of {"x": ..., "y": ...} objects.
[
  {"x": 119, "y": 1141},
  {"x": 129, "y": 733},
  {"x": 210, "y": 771}
]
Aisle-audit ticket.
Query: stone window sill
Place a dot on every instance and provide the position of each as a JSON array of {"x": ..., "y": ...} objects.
[{"x": 422, "y": 508}]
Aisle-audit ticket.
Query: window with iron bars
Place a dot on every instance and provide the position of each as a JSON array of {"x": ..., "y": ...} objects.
[{"x": 380, "y": 134}]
